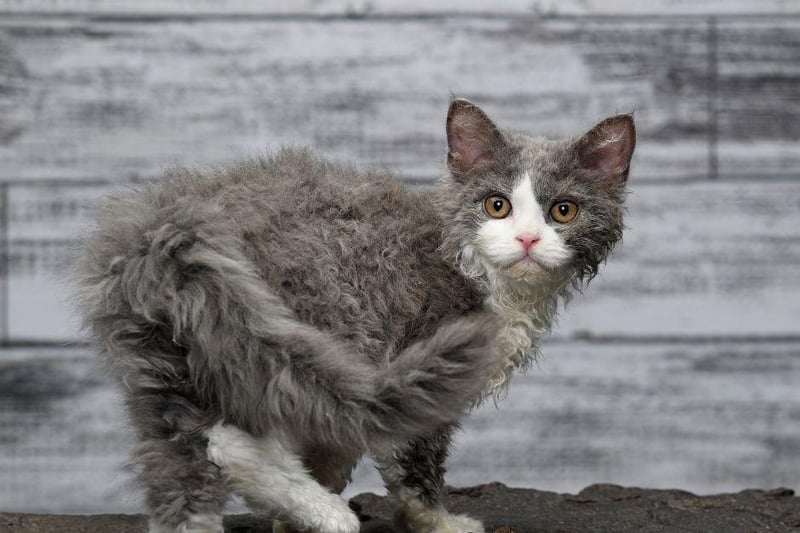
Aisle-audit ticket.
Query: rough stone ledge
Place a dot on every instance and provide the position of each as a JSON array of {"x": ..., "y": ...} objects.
[{"x": 598, "y": 508}]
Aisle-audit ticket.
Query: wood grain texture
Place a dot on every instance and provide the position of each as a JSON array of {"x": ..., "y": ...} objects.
[
  {"x": 63, "y": 438},
  {"x": 121, "y": 100},
  {"x": 707, "y": 416},
  {"x": 367, "y": 8},
  {"x": 711, "y": 416}
]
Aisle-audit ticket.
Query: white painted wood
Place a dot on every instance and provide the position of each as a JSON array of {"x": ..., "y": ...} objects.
[
  {"x": 63, "y": 437},
  {"x": 367, "y": 8},
  {"x": 700, "y": 259},
  {"x": 702, "y": 417},
  {"x": 120, "y": 100}
]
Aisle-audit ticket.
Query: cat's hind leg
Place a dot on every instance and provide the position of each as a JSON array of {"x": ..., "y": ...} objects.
[
  {"x": 184, "y": 491},
  {"x": 414, "y": 476},
  {"x": 273, "y": 480}
]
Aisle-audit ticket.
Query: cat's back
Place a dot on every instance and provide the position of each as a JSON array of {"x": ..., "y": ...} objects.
[
  {"x": 355, "y": 253},
  {"x": 289, "y": 191},
  {"x": 297, "y": 188}
]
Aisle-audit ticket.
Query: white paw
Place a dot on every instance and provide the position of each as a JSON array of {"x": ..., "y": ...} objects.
[
  {"x": 457, "y": 523},
  {"x": 198, "y": 523},
  {"x": 331, "y": 515},
  {"x": 414, "y": 519}
]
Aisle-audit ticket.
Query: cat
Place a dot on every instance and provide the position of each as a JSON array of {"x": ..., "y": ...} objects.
[{"x": 272, "y": 322}]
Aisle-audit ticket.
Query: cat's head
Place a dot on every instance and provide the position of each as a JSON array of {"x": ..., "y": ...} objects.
[{"x": 532, "y": 210}]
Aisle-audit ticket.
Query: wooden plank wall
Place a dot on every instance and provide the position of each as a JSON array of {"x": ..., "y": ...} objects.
[
  {"x": 120, "y": 99},
  {"x": 680, "y": 364}
]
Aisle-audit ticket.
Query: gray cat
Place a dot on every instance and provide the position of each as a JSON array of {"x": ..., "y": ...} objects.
[{"x": 273, "y": 322}]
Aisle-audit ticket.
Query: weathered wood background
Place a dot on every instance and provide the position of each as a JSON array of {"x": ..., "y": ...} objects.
[{"x": 680, "y": 366}]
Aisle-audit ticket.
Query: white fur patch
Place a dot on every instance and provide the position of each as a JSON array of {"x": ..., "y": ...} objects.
[
  {"x": 197, "y": 523},
  {"x": 497, "y": 239},
  {"x": 413, "y": 516},
  {"x": 272, "y": 478}
]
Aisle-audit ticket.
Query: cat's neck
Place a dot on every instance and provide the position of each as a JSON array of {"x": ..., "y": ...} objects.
[{"x": 529, "y": 311}]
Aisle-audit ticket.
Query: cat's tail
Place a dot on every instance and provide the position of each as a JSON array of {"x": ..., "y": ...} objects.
[{"x": 185, "y": 286}]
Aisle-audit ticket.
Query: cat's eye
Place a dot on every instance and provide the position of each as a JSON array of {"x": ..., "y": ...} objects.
[
  {"x": 497, "y": 206},
  {"x": 564, "y": 211}
]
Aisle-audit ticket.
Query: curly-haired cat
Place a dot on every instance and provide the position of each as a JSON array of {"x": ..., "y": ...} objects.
[{"x": 272, "y": 322}]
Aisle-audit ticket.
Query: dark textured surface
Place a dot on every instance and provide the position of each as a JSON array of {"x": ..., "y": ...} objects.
[{"x": 598, "y": 508}]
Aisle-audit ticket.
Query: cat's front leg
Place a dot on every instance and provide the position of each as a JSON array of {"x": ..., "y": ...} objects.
[
  {"x": 271, "y": 476},
  {"x": 414, "y": 476}
]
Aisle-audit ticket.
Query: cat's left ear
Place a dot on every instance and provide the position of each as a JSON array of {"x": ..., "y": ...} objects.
[
  {"x": 606, "y": 150},
  {"x": 473, "y": 140}
]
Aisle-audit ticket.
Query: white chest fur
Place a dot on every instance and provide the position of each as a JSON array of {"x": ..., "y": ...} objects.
[{"x": 528, "y": 314}]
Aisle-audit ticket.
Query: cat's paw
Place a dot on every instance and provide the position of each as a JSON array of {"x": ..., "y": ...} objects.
[
  {"x": 413, "y": 519},
  {"x": 197, "y": 523},
  {"x": 458, "y": 523},
  {"x": 279, "y": 526},
  {"x": 332, "y": 516}
]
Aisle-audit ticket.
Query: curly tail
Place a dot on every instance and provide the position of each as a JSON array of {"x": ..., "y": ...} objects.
[{"x": 221, "y": 328}]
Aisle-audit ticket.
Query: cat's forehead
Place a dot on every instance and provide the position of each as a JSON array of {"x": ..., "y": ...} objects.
[
  {"x": 538, "y": 161},
  {"x": 542, "y": 158}
]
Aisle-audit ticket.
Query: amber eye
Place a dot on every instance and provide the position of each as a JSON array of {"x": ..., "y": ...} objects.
[
  {"x": 497, "y": 207},
  {"x": 564, "y": 211}
]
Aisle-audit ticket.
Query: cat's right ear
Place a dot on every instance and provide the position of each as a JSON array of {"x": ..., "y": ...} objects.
[
  {"x": 607, "y": 149},
  {"x": 472, "y": 138}
]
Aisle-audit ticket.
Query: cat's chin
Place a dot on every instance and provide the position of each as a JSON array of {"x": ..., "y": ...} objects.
[{"x": 526, "y": 270}]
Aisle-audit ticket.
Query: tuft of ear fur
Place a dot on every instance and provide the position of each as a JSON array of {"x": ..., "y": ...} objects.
[
  {"x": 606, "y": 150},
  {"x": 472, "y": 138}
]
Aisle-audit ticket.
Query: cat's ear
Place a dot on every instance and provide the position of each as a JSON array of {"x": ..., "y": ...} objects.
[
  {"x": 472, "y": 138},
  {"x": 606, "y": 150}
]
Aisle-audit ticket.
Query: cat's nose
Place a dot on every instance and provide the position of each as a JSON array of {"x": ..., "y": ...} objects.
[{"x": 528, "y": 241}]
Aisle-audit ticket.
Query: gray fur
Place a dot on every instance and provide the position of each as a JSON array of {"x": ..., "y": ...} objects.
[
  {"x": 296, "y": 293},
  {"x": 420, "y": 466}
]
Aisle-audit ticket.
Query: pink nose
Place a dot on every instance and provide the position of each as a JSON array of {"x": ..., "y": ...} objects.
[{"x": 527, "y": 241}]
